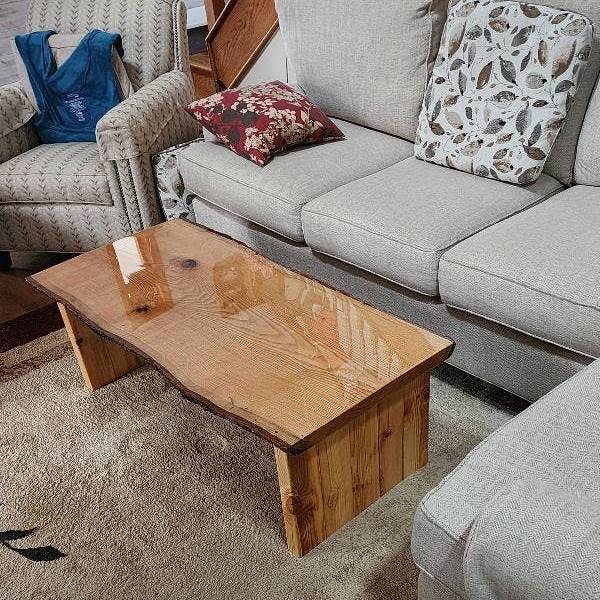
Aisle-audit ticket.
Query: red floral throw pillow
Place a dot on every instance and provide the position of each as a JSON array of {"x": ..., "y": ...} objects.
[{"x": 259, "y": 121}]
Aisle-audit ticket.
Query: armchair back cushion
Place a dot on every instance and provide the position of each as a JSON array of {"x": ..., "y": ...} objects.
[
  {"x": 151, "y": 30},
  {"x": 363, "y": 61}
]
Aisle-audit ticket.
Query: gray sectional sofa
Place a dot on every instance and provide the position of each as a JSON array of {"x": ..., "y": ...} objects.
[
  {"x": 511, "y": 273},
  {"x": 508, "y": 272}
]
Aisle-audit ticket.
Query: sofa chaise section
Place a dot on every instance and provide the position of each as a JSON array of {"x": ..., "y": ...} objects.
[
  {"x": 555, "y": 441},
  {"x": 273, "y": 196},
  {"x": 538, "y": 272},
  {"x": 535, "y": 540},
  {"x": 398, "y": 222}
]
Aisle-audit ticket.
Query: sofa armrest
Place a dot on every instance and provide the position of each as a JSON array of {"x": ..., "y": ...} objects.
[
  {"x": 149, "y": 121},
  {"x": 534, "y": 541},
  {"x": 17, "y": 134}
]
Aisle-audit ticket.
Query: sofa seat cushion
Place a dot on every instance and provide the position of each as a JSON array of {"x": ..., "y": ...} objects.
[
  {"x": 273, "y": 196},
  {"x": 537, "y": 272},
  {"x": 397, "y": 223},
  {"x": 50, "y": 173},
  {"x": 556, "y": 440}
]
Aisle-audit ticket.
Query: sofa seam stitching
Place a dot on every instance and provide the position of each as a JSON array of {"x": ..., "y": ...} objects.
[
  {"x": 522, "y": 331},
  {"x": 438, "y": 580},
  {"x": 525, "y": 285},
  {"x": 402, "y": 285},
  {"x": 300, "y": 204},
  {"x": 444, "y": 248},
  {"x": 255, "y": 222},
  {"x": 250, "y": 187},
  {"x": 367, "y": 229}
]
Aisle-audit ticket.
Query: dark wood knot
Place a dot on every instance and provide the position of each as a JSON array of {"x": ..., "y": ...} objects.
[{"x": 189, "y": 263}]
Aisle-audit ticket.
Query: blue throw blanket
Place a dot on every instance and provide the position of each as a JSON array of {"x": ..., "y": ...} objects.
[{"x": 73, "y": 97}]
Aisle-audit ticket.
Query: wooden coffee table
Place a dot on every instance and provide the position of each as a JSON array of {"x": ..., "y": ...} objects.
[{"x": 339, "y": 388}]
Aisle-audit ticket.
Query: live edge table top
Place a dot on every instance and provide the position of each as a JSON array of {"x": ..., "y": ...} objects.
[{"x": 272, "y": 350}]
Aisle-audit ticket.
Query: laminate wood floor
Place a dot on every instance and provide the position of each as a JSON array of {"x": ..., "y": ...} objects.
[{"x": 26, "y": 313}]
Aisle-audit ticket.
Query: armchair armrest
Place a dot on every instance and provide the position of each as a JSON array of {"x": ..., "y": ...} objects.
[
  {"x": 534, "y": 541},
  {"x": 149, "y": 121},
  {"x": 17, "y": 134},
  {"x": 15, "y": 108}
]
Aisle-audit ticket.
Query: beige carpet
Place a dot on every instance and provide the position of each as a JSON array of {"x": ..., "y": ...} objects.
[{"x": 135, "y": 493}]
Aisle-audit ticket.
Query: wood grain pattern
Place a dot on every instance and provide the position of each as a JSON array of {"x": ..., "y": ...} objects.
[
  {"x": 100, "y": 360},
  {"x": 330, "y": 483},
  {"x": 280, "y": 354},
  {"x": 202, "y": 75},
  {"x": 238, "y": 36},
  {"x": 213, "y": 9}
]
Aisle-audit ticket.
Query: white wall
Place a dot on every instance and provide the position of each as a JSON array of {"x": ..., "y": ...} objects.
[
  {"x": 196, "y": 13},
  {"x": 271, "y": 64}
]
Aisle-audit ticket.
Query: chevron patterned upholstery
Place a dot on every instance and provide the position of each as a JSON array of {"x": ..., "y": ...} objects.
[
  {"x": 17, "y": 135},
  {"x": 50, "y": 173},
  {"x": 78, "y": 196},
  {"x": 126, "y": 131},
  {"x": 147, "y": 27}
]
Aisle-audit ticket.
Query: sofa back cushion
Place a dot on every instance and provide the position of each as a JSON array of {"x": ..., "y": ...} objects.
[
  {"x": 363, "y": 61},
  {"x": 587, "y": 163}
]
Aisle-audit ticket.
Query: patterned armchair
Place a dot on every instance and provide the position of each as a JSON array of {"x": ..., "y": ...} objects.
[{"x": 77, "y": 196}]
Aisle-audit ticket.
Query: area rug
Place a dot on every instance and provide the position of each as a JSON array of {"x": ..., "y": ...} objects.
[{"x": 133, "y": 492}]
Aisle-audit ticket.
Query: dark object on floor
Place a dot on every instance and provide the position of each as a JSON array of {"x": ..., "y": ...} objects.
[
  {"x": 197, "y": 39},
  {"x": 5, "y": 261},
  {"x": 42, "y": 553}
]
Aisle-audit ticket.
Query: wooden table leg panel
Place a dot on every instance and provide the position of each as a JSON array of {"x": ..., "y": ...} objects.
[
  {"x": 330, "y": 483},
  {"x": 100, "y": 360},
  {"x": 416, "y": 425}
]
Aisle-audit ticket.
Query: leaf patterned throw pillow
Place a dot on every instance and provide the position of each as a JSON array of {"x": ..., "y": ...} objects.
[{"x": 505, "y": 79}]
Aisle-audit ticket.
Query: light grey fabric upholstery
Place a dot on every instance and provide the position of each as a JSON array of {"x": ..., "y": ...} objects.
[
  {"x": 72, "y": 197},
  {"x": 151, "y": 30},
  {"x": 49, "y": 173},
  {"x": 537, "y": 541},
  {"x": 556, "y": 440},
  {"x": 366, "y": 62},
  {"x": 432, "y": 589},
  {"x": 397, "y": 223},
  {"x": 273, "y": 196},
  {"x": 587, "y": 163},
  {"x": 538, "y": 272},
  {"x": 518, "y": 363}
]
